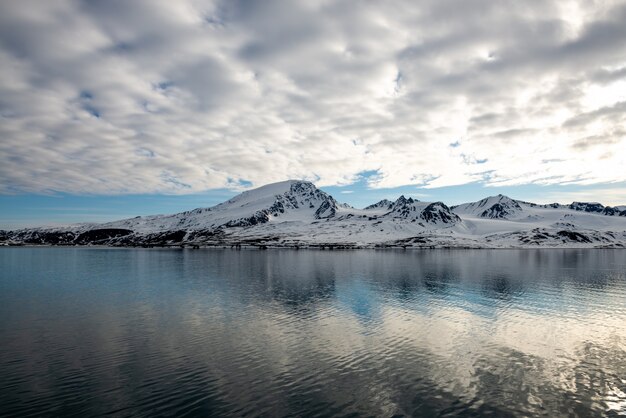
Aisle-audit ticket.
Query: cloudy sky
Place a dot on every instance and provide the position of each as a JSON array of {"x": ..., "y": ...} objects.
[{"x": 186, "y": 102}]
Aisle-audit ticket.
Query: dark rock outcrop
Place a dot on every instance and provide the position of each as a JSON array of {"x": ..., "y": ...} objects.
[
  {"x": 327, "y": 209},
  {"x": 438, "y": 212},
  {"x": 500, "y": 211},
  {"x": 573, "y": 236},
  {"x": 587, "y": 207},
  {"x": 96, "y": 236},
  {"x": 383, "y": 204},
  {"x": 259, "y": 217}
]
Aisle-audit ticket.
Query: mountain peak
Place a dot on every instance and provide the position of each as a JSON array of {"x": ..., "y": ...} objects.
[
  {"x": 587, "y": 206},
  {"x": 403, "y": 200},
  {"x": 275, "y": 199},
  {"x": 438, "y": 212},
  {"x": 271, "y": 190},
  {"x": 494, "y": 207},
  {"x": 383, "y": 204},
  {"x": 504, "y": 197}
]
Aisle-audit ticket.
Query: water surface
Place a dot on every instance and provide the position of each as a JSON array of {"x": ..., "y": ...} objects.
[{"x": 133, "y": 332}]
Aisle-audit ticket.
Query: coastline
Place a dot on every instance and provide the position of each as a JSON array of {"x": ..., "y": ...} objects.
[{"x": 307, "y": 247}]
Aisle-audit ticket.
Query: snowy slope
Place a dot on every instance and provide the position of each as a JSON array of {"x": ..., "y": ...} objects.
[
  {"x": 296, "y": 213},
  {"x": 494, "y": 207},
  {"x": 285, "y": 201},
  {"x": 500, "y": 220},
  {"x": 414, "y": 211},
  {"x": 382, "y": 205}
]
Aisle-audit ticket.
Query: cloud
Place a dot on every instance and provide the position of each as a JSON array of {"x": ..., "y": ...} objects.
[
  {"x": 109, "y": 97},
  {"x": 610, "y": 196}
]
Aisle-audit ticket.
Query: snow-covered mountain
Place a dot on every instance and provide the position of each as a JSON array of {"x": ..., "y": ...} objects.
[
  {"x": 413, "y": 211},
  {"x": 383, "y": 204},
  {"x": 494, "y": 207},
  {"x": 279, "y": 202},
  {"x": 297, "y": 214}
]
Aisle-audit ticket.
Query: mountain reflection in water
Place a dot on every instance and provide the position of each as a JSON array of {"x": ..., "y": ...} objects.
[{"x": 93, "y": 331}]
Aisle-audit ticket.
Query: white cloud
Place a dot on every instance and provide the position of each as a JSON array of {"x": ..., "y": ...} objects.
[
  {"x": 610, "y": 196},
  {"x": 119, "y": 97}
]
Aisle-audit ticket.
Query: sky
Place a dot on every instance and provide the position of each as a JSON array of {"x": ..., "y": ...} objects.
[{"x": 110, "y": 108}]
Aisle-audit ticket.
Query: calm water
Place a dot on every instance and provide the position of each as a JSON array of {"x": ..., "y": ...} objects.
[{"x": 124, "y": 332}]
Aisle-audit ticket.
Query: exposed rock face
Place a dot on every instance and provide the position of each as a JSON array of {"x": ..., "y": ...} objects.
[
  {"x": 415, "y": 211},
  {"x": 544, "y": 237},
  {"x": 44, "y": 237},
  {"x": 259, "y": 217},
  {"x": 304, "y": 194},
  {"x": 573, "y": 236},
  {"x": 300, "y": 196},
  {"x": 494, "y": 207},
  {"x": 594, "y": 207},
  {"x": 383, "y": 204},
  {"x": 504, "y": 209},
  {"x": 439, "y": 213},
  {"x": 95, "y": 236},
  {"x": 586, "y": 206},
  {"x": 500, "y": 211},
  {"x": 51, "y": 237},
  {"x": 404, "y": 208},
  {"x": 609, "y": 211},
  {"x": 327, "y": 209}
]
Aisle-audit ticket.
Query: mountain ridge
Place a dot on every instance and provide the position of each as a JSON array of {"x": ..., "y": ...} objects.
[{"x": 295, "y": 213}]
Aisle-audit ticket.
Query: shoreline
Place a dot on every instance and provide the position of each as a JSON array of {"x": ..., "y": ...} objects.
[{"x": 300, "y": 248}]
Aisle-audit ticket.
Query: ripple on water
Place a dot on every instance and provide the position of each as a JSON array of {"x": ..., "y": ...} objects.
[{"x": 292, "y": 333}]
